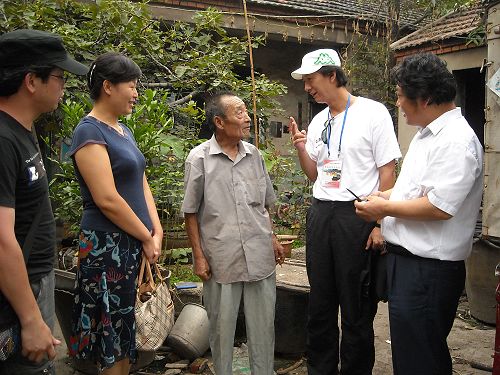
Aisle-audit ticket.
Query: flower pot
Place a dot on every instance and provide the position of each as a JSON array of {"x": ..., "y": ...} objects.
[
  {"x": 287, "y": 246},
  {"x": 286, "y": 240},
  {"x": 175, "y": 239}
]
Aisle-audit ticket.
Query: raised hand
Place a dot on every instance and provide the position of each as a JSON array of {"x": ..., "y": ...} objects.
[{"x": 299, "y": 138}]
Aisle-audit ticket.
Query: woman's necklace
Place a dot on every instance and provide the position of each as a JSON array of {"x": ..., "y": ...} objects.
[{"x": 117, "y": 128}]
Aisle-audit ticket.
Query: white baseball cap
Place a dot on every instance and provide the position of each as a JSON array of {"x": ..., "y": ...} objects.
[{"x": 315, "y": 60}]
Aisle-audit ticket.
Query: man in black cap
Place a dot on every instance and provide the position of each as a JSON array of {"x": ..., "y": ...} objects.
[{"x": 32, "y": 66}]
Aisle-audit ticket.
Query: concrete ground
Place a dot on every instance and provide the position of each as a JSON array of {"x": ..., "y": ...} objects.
[{"x": 470, "y": 343}]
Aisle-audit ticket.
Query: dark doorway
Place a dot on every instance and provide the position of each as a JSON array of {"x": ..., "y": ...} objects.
[
  {"x": 471, "y": 98},
  {"x": 314, "y": 108}
]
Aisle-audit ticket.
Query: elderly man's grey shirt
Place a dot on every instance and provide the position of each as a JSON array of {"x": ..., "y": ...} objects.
[{"x": 230, "y": 200}]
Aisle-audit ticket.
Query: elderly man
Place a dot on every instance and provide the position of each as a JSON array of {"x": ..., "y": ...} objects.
[
  {"x": 429, "y": 217},
  {"x": 32, "y": 65},
  {"x": 350, "y": 145},
  {"x": 227, "y": 196}
]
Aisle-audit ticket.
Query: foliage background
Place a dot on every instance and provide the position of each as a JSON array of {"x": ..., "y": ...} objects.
[{"x": 180, "y": 62}]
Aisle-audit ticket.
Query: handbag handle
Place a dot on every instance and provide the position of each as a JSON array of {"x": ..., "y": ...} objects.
[{"x": 145, "y": 266}]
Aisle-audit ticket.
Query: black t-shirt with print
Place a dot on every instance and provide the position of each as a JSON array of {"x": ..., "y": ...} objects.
[{"x": 24, "y": 187}]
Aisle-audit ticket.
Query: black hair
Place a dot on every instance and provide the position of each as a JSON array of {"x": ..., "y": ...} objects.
[
  {"x": 12, "y": 78},
  {"x": 340, "y": 76},
  {"x": 113, "y": 67},
  {"x": 425, "y": 76},
  {"x": 214, "y": 107}
]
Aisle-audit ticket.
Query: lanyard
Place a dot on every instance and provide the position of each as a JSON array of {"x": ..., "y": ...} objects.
[{"x": 342, "y": 130}]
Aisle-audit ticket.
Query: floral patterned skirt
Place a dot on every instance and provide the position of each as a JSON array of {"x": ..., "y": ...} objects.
[{"x": 103, "y": 320}]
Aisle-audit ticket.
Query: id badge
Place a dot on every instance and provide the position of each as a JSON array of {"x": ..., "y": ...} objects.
[{"x": 331, "y": 173}]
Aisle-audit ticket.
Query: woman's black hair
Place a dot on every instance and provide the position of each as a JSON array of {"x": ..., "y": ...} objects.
[
  {"x": 113, "y": 67},
  {"x": 12, "y": 78},
  {"x": 425, "y": 76},
  {"x": 340, "y": 76}
]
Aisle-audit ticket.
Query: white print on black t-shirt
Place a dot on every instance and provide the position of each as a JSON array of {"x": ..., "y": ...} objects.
[
  {"x": 31, "y": 158},
  {"x": 35, "y": 170},
  {"x": 33, "y": 174}
]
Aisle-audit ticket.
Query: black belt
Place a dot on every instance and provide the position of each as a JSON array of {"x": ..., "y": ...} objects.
[
  {"x": 400, "y": 250},
  {"x": 333, "y": 203}
]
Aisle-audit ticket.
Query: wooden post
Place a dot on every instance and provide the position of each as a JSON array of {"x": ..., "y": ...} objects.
[{"x": 254, "y": 95}]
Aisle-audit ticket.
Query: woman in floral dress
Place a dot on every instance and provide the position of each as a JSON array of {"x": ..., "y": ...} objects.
[{"x": 119, "y": 219}]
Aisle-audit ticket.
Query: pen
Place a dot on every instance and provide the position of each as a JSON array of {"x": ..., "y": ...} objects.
[{"x": 357, "y": 198}]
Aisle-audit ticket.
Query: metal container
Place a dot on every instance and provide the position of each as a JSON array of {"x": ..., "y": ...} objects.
[
  {"x": 481, "y": 281},
  {"x": 189, "y": 335}
]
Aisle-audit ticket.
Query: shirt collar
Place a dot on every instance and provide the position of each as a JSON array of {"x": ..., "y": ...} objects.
[
  {"x": 438, "y": 124},
  {"x": 215, "y": 148}
]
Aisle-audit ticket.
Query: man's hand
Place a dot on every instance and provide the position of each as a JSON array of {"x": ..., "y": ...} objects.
[
  {"x": 382, "y": 194},
  {"x": 201, "y": 268},
  {"x": 38, "y": 341},
  {"x": 299, "y": 138},
  {"x": 372, "y": 209},
  {"x": 375, "y": 240},
  {"x": 279, "y": 251}
]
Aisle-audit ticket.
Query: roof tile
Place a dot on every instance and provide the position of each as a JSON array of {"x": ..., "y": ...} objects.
[{"x": 457, "y": 24}]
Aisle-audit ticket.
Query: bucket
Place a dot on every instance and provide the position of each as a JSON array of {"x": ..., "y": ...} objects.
[
  {"x": 189, "y": 335},
  {"x": 481, "y": 281}
]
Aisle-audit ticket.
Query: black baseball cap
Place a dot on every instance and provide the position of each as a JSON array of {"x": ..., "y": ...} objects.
[{"x": 34, "y": 47}]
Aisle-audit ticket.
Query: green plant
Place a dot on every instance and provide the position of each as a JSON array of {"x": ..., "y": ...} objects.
[
  {"x": 293, "y": 192},
  {"x": 183, "y": 273}
]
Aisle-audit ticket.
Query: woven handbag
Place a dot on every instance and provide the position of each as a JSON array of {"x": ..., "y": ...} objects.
[{"x": 154, "y": 308}]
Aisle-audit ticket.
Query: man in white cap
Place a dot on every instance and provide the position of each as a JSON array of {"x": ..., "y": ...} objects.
[
  {"x": 32, "y": 66},
  {"x": 350, "y": 144}
]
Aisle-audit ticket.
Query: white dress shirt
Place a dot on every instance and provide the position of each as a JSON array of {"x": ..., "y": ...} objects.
[{"x": 445, "y": 163}]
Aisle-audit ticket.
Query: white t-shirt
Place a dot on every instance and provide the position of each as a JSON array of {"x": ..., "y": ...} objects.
[
  {"x": 445, "y": 163},
  {"x": 368, "y": 142}
]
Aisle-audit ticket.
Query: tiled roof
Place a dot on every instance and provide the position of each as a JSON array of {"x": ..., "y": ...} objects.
[
  {"x": 457, "y": 24},
  {"x": 364, "y": 9}
]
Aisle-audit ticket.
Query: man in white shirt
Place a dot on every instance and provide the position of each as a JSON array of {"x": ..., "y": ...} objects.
[
  {"x": 429, "y": 217},
  {"x": 349, "y": 145}
]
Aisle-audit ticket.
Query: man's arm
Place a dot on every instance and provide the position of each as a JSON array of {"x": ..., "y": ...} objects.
[
  {"x": 299, "y": 139},
  {"x": 200, "y": 264},
  {"x": 279, "y": 251},
  {"x": 421, "y": 208},
  {"x": 37, "y": 339}
]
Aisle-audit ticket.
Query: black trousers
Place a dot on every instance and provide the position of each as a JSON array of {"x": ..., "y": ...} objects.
[
  {"x": 338, "y": 268},
  {"x": 423, "y": 300}
]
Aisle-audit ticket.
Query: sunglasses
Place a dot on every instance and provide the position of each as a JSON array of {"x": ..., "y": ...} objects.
[{"x": 327, "y": 130}]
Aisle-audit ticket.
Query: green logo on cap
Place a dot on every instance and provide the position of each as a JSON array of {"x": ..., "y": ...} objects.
[{"x": 324, "y": 59}]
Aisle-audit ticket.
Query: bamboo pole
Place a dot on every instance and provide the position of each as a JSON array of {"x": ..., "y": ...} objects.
[{"x": 254, "y": 95}]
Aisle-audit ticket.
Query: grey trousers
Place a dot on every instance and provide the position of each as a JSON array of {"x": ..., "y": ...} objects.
[
  {"x": 222, "y": 302},
  {"x": 19, "y": 365}
]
